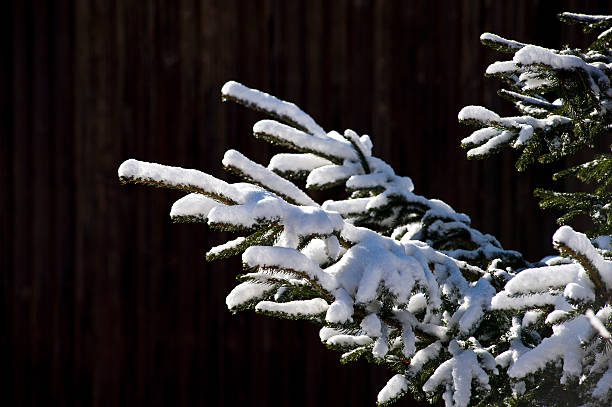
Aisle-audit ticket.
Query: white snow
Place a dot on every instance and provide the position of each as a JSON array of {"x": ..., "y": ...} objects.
[
  {"x": 296, "y": 308},
  {"x": 493, "y": 143},
  {"x": 395, "y": 387},
  {"x": 291, "y": 162},
  {"x": 245, "y": 292},
  {"x": 542, "y": 278},
  {"x": 479, "y": 113},
  {"x": 263, "y": 101},
  {"x": 498, "y": 67},
  {"x": 597, "y": 324},
  {"x": 371, "y": 325},
  {"x": 457, "y": 374},
  {"x": 476, "y": 299},
  {"x": 381, "y": 347},
  {"x": 231, "y": 244},
  {"x": 531, "y": 317},
  {"x": 177, "y": 177},
  {"x": 565, "y": 343},
  {"x": 515, "y": 45},
  {"x": 603, "y": 242},
  {"x": 315, "y": 250},
  {"x": 326, "y": 332},
  {"x": 493, "y": 137},
  {"x": 588, "y": 18},
  {"x": 332, "y": 174},
  {"x": 258, "y": 205},
  {"x": 408, "y": 340},
  {"x": 417, "y": 303},
  {"x": 532, "y": 54},
  {"x": 341, "y": 310},
  {"x": 266, "y": 178},
  {"x": 579, "y": 292},
  {"x": 480, "y": 136},
  {"x": 424, "y": 355},
  {"x": 326, "y": 147},
  {"x": 503, "y": 300},
  {"x": 604, "y": 385},
  {"x": 193, "y": 205},
  {"x": 287, "y": 259},
  {"x": 581, "y": 244},
  {"x": 349, "y": 340}
]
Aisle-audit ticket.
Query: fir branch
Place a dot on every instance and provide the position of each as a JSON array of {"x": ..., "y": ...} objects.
[{"x": 588, "y": 266}]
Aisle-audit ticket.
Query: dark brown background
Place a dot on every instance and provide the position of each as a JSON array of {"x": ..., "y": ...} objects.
[{"x": 104, "y": 301}]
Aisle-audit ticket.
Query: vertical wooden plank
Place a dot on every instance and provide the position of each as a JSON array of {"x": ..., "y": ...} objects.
[
  {"x": 22, "y": 204},
  {"x": 8, "y": 42},
  {"x": 62, "y": 186}
]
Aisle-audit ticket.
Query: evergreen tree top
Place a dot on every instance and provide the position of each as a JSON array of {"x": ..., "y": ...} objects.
[
  {"x": 406, "y": 281},
  {"x": 564, "y": 101}
]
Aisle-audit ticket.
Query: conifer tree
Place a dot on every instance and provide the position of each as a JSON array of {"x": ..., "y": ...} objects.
[{"x": 405, "y": 281}]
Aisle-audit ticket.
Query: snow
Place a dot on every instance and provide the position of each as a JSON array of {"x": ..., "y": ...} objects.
[
  {"x": 315, "y": 306},
  {"x": 603, "y": 242},
  {"x": 457, "y": 373},
  {"x": 494, "y": 136},
  {"x": 349, "y": 340},
  {"x": 480, "y": 136},
  {"x": 501, "y": 67},
  {"x": 580, "y": 243},
  {"x": 578, "y": 292},
  {"x": 141, "y": 171},
  {"x": 587, "y": 18},
  {"x": 349, "y": 206},
  {"x": 430, "y": 352},
  {"x": 316, "y": 251},
  {"x": 408, "y": 339},
  {"x": 266, "y": 178},
  {"x": 417, "y": 303},
  {"x": 328, "y": 175},
  {"x": 604, "y": 385},
  {"x": 258, "y": 205},
  {"x": 327, "y": 147},
  {"x": 341, "y": 310},
  {"x": 354, "y": 138},
  {"x": 533, "y": 100},
  {"x": 287, "y": 259},
  {"x": 193, "y": 205},
  {"x": 246, "y": 292},
  {"x": 229, "y": 245},
  {"x": 493, "y": 143},
  {"x": 395, "y": 387},
  {"x": 532, "y": 54},
  {"x": 263, "y": 101},
  {"x": 479, "y": 113},
  {"x": 288, "y": 162},
  {"x": 515, "y": 45},
  {"x": 381, "y": 347},
  {"x": 326, "y": 332},
  {"x": 366, "y": 181},
  {"x": 476, "y": 299},
  {"x": 556, "y": 316},
  {"x": 517, "y": 348},
  {"x": 597, "y": 324},
  {"x": 565, "y": 343},
  {"x": 371, "y": 325},
  {"x": 531, "y": 317},
  {"x": 503, "y": 300},
  {"x": 542, "y": 278},
  {"x": 605, "y": 33}
]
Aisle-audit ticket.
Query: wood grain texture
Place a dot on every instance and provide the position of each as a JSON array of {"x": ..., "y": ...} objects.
[{"x": 104, "y": 301}]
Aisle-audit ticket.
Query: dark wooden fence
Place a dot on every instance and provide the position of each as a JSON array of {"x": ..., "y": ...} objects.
[{"x": 104, "y": 301}]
